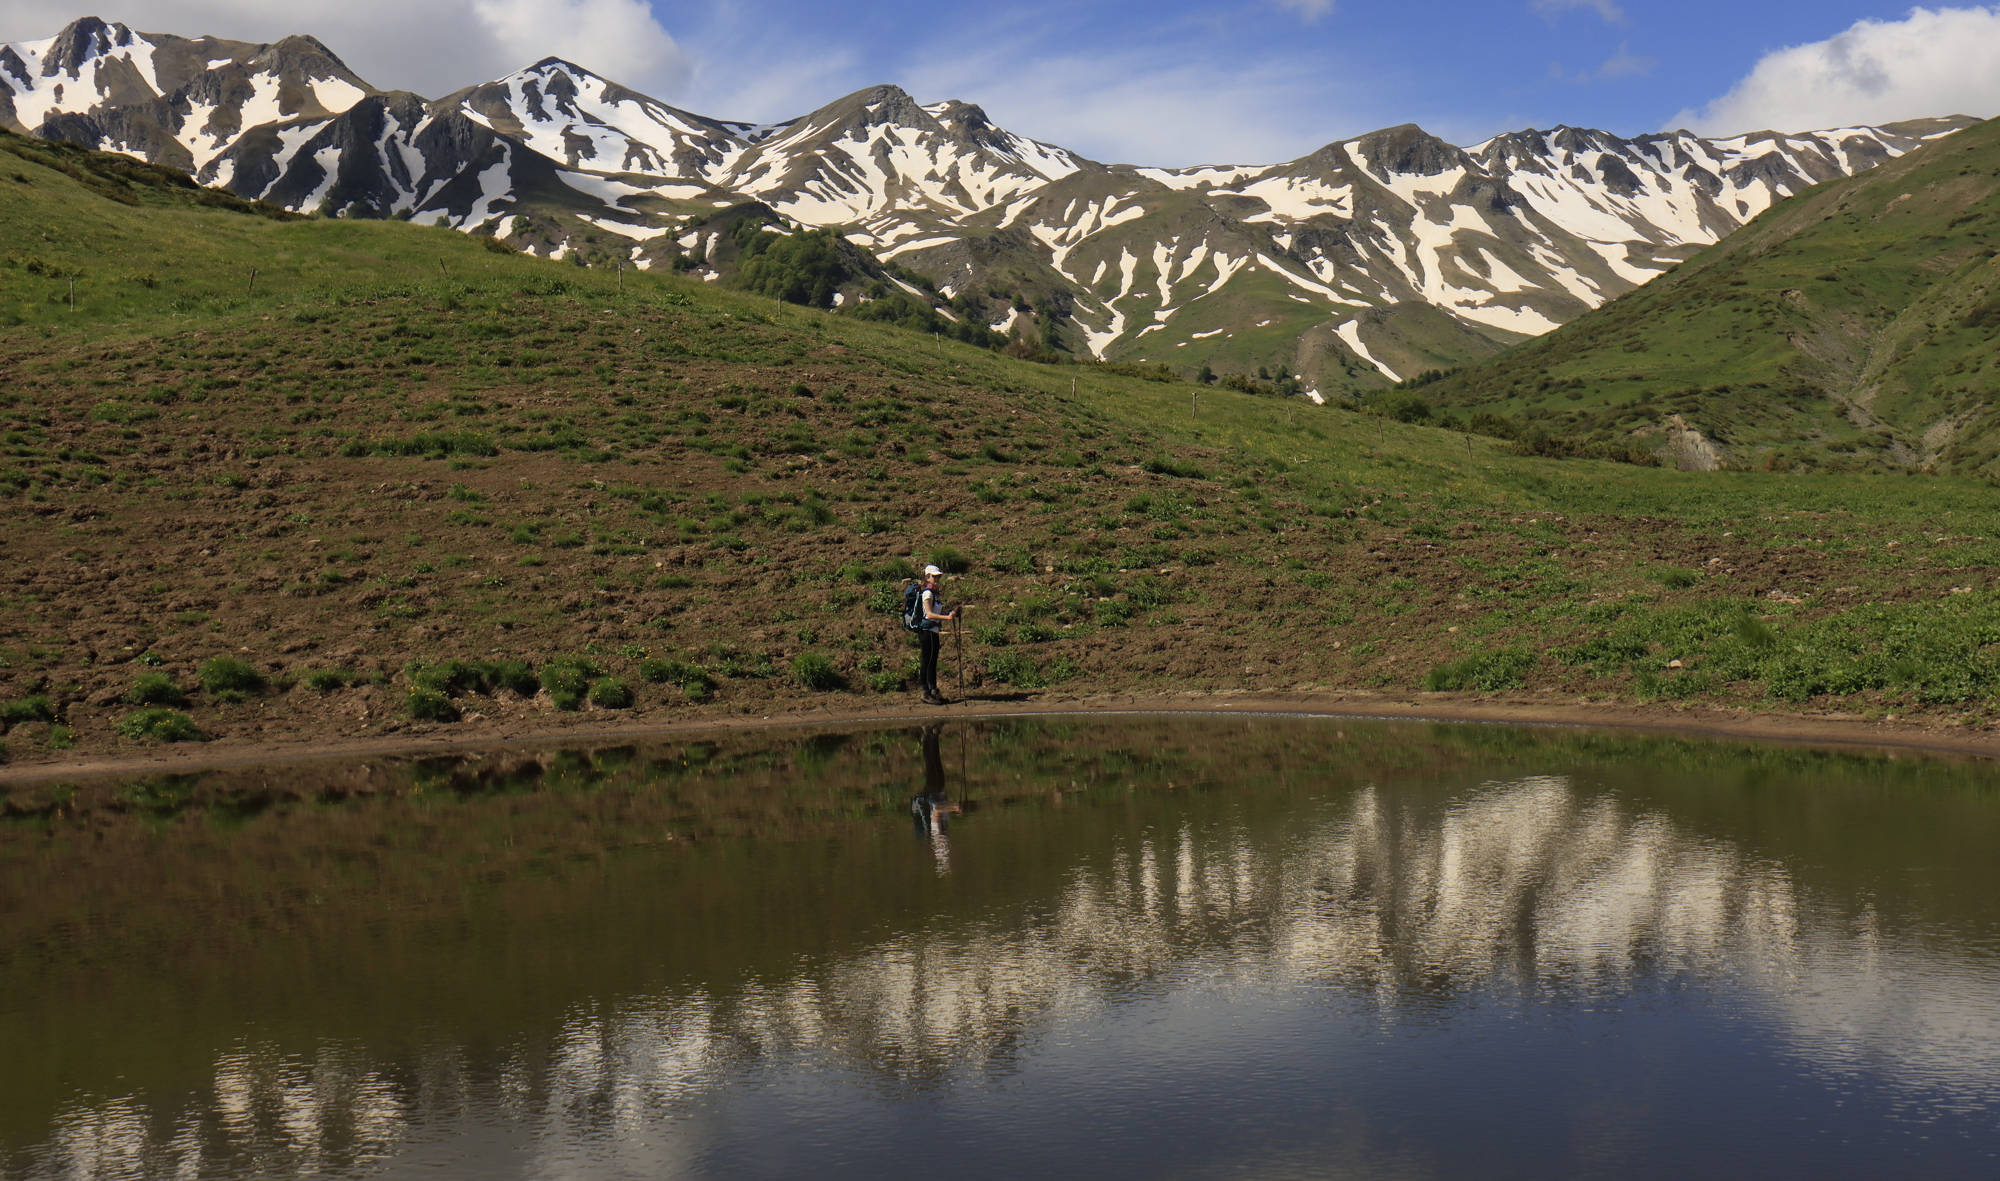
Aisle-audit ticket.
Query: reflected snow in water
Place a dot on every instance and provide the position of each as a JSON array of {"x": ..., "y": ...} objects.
[{"x": 1143, "y": 948}]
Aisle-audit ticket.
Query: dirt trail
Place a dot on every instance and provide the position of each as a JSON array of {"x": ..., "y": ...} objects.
[{"x": 1827, "y": 730}]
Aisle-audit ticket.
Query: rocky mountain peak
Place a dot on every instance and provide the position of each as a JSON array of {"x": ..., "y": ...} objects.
[
  {"x": 1408, "y": 150},
  {"x": 82, "y": 41}
]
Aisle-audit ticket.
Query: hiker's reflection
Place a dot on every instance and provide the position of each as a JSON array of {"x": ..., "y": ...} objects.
[{"x": 932, "y": 809}]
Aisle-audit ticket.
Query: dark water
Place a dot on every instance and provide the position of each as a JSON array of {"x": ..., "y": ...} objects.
[{"x": 1144, "y": 948}]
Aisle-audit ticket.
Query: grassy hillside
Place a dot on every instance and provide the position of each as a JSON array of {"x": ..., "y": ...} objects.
[
  {"x": 1849, "y": 327},
  {"x": 401, "y": 478}
]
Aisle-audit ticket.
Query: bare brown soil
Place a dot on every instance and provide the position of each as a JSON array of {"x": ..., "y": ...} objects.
[{"x": 602, "y": 727}]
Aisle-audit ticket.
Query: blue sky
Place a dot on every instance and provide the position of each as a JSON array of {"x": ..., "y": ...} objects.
[{"x": 1181, "y": 81}]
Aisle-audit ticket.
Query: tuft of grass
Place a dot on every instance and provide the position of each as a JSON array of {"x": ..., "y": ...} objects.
[
  {"x": 326, "y": 680},
  {"x": 1014, "y": 668},
  {"x": 692, "y": 680},
  {"x": 226, "y": 678},
  {"x": 455, "y": 678},
  {"x": 431, "y": 705},
  {"x": 610, "y": 693},
  {"x": 816, "y": 671},
  {"x": 155, "y": 688},
  {"x": 35, "y": 708},
  {"x": 568, "y": 678},
  {"x": 159, "y": 724},
  {"x": 1504, "y": 668}
]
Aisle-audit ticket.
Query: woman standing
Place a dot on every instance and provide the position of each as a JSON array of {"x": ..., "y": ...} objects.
[{"x": 930, "y": 631}]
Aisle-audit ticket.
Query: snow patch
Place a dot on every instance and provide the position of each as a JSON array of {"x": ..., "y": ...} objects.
[{"x": 1350, "y": 333}]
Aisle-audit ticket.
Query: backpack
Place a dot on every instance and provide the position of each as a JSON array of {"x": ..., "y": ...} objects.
[{"x": 913, "y": 606}]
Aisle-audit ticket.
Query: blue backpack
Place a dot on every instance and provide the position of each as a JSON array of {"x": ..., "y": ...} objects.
[{"x": 913, "y": 606}]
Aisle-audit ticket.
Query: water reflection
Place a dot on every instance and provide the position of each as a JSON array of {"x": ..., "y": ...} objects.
[{"x": 1436, "y": 895}]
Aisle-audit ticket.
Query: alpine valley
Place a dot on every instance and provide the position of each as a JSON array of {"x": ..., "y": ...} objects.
[{"x": 1369, "y": 261}]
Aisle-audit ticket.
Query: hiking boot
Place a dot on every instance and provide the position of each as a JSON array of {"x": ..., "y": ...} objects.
[{"x": 935, "y": 699}]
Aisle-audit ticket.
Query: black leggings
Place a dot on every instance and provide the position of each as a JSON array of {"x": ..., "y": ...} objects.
[{"x": 928, "y": 643}]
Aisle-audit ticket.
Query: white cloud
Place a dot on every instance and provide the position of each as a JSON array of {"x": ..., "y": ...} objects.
[
  {"x": 1608, "y": 9},
  {"x": 1626, "y": 64},
  {"x": 1932, "y": 62},
  {"x": 1140, "y": 108},
  {"x": 430, "y": 46},
  {"x": 1306, "y": 10}
]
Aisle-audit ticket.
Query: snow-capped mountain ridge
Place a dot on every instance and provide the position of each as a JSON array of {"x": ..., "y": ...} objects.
[{"x": 1381, "y": 254}]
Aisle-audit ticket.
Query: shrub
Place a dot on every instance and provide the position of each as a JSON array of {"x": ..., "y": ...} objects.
[
  {"x": 158, "y": 724},
  {"x": 228, "y": 679},
  {"x": 431, "y": 705},
  {"x": 816, "y": 671},
  {"x": 155, "y": 688},
  {"x": 692, "y": 679},
  {"x": 610, "y": 693},
  {"x": 515, "y": 676},
  {"x": 949, "y": 560},
  {"x": 27, "y": 709},
  {"x": 455, "y": 677},
  {"x": 326, "y": 680},
  {"x": 567, "y": 678}
]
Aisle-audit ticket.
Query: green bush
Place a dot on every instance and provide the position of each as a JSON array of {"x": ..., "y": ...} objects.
[
  {"x": 326, "y": 680},
  {"x": 691, "y": 679},
  {"x": 431, "y": 705},
  {"x": 27, "y": 709},
  {"x": 949, "y": 560},
  {"x": 568, "y": 678},
  {"x": 155, "y": 688},
  {"x": 158, "y": 724},
  {"x": 228, "y": 679},
  {"x": 816, "y": 671},
  {"x": 515, "y": 676},
  {"x": 610, "y": 693},
  {"x": 456, "y": 677}
]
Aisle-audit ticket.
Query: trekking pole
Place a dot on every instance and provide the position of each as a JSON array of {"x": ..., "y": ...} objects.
[{"x": 958, "y": 655}]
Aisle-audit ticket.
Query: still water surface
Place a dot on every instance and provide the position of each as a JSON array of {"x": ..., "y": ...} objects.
[{"x": 1141, "y": 947}]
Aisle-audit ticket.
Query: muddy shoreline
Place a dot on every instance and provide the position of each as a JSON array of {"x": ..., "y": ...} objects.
[{"x": 1822, "y": 730}]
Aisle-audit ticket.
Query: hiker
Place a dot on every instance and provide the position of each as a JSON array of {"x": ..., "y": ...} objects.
[{"x": 929, "y": 626}]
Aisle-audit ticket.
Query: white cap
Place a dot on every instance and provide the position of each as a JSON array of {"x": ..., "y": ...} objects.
[{"x": 930, "y": 570}]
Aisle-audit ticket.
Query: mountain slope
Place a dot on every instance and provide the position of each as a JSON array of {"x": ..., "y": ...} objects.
[
  {"x": 407, "y": 477},
  {"x": 1345, "y": 267},
  {"x": 1853, "y": 324}
]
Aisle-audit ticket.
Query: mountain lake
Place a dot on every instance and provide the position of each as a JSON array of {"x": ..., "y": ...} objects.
[{"x": 1105, "y": 946}]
